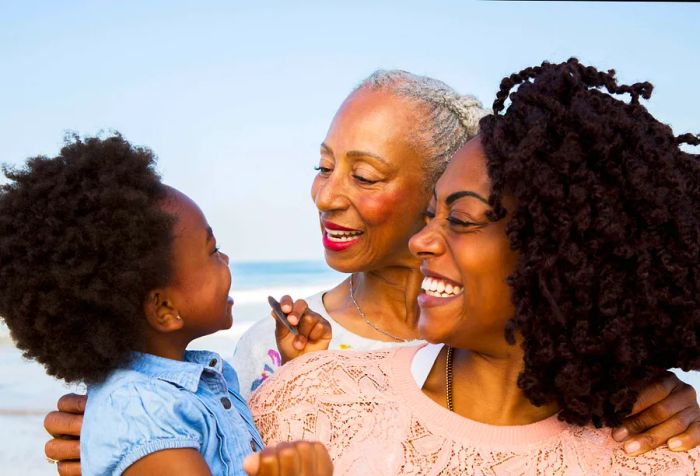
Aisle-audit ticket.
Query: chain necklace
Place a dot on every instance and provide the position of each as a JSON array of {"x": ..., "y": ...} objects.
[
  {"x": 448, "y": 378},
  {"x": 370, "y": 323}
]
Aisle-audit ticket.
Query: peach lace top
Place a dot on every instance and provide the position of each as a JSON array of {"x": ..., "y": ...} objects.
[{"x": 367, "y": 409}]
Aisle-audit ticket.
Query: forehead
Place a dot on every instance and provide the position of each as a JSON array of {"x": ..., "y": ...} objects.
[
  {"x": 466, "y": 171},
  {"x": 190, "y": 220},
  {"x": 375, "y": 121}
]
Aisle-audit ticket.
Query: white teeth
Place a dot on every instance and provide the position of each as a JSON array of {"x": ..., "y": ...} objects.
[
  {"x": 340, "y": 236},
  {"x": 440, "y": 288}
]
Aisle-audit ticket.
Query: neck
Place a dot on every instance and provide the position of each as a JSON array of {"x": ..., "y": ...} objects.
[
  {"x": 476, "y": 376},
  {"x": 389, "y": 296},
  {"x": 166, "y": 345}
]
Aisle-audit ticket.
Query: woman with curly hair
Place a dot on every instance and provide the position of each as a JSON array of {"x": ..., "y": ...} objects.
[
  {"x": 561, "y": 274},
  {"x": 106, "y": 275}
]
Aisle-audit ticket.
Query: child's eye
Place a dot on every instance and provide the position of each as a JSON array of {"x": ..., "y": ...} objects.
[{"x": 216, "y": 250}]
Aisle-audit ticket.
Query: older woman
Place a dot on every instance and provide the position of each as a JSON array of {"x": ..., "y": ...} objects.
[
  {"x": 564, "y": 245},
  {"x": 388, "y": 143}
]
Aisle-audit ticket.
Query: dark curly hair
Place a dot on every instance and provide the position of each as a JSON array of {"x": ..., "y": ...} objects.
[
  {"x": 607, "y": 226},
  {"x": 82, "y": 242}
]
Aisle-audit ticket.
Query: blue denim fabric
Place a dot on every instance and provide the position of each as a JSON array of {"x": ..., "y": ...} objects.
[{"x": 157, "y": 403}]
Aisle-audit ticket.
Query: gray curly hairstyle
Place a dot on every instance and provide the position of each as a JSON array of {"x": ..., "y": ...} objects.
[{"x": 452, "y": 119}]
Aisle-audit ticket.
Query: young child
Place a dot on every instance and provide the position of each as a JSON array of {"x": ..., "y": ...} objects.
[{"x": 106, "y": 275}]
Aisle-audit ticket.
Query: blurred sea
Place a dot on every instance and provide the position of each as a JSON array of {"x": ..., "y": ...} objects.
[{"x": 27, "y": 393}]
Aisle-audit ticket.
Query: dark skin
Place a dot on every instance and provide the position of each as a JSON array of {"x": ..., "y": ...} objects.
[
  {"x": 195, "y": 303},
  {"x": 368, "y": 125},
  {"x": 461, "y": 245}
]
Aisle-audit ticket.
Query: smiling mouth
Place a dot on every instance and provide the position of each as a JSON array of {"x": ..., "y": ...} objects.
[
  {"x": 440, "y": 288},
  {"x": 341, "y": 236}
]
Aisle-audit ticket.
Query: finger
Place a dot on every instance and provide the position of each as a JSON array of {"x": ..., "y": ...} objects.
[
  {"x": 72, "y": 403},
  {"x": 251, "y": 464},
  {"x": 269, "y": 464},
  {"x": 68, "y": 468},
  {"x": 288, "y": 457},
  {"x": 61, "y": 449},
  {"x": 60, "y": 424},
  {"x": 300, "y": 342},
  {"x": 656, "y": 392},
  {"x": 297, "y": 312},
  {"x": 307, "y": 322},
  {"x": 659, "y": 412},
  {"x": 324, "y": 464},
  {"x": 307, "y": 457},
  {"x": 321, "y": 330},
  {"x": 659, "y": 434},
  {"x": 281, "y": 331},
  {"x": 686, "y": 440},
  {"x": 286, "y": 302}
]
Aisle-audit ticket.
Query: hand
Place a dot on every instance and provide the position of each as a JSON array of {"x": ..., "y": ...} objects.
[
  {"x": 314, "y": 331},
  {"x": 64, "y": 425},
  {"x": 666, "y": 412},
  {"x": 298, "y": 458}
]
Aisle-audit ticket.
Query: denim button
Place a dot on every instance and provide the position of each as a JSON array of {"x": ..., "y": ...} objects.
[
  {"x": 212, "y": 363},
  {"x": 226, "y": 403}
]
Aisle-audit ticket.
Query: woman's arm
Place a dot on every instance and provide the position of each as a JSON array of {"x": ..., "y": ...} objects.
[{"x": 184, "y": 461}]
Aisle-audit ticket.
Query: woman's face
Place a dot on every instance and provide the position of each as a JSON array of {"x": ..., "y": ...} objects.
[
  {"x": 370, "y": 189},
  {"x": 465, "y": 260}
]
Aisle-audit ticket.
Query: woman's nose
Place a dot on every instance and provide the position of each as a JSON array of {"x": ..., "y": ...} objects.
[
  {"x": 427, "y": 242},
  {"x": 330, "y": 195}
]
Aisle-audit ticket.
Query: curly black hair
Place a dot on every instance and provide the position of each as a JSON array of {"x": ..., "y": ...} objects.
[
  {"x": 607, "y": 226},
  {"x": 82, "y": 242}
]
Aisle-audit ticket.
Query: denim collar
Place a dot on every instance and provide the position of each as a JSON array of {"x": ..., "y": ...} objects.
[{"x": 185, "y": 374}]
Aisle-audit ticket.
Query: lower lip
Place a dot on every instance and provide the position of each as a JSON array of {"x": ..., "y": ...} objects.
[
  {"x": 426, "y": 300},
  {"x": 338, "y": 245}
]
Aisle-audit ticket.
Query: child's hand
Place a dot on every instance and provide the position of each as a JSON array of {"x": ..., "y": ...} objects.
[
  {"x": 298, "y": 458},
  {"x": 314, "y": 331}
]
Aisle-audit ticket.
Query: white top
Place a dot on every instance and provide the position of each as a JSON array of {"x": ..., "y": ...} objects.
[{"x": 256, "y": 356}]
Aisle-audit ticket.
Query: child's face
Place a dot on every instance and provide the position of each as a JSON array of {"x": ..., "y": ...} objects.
[{"x": 201, "y": 277}]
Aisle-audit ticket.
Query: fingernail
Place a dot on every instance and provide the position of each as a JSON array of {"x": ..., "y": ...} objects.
[
  {"x": 620, "y": 434},
  {"x": 632, "y": 446},
  {"x": 286, "y": 308},
  {"x": 674, "y": 443}
]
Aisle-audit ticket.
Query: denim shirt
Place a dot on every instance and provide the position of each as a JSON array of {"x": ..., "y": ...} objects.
[{"x": 155, "y": 404}]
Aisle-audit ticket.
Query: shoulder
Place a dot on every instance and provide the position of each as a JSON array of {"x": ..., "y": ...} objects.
[
  {"x": 130, "y": 416},
  {"x": 600, "y": 453}
]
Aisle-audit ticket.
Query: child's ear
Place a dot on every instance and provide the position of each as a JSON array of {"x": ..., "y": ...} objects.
[{"x": 160, "y": 312}]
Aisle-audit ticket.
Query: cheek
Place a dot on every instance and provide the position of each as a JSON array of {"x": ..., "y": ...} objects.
[{"x": 397, "y": 209}]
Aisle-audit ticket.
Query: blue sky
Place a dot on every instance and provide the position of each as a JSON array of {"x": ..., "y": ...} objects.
[{"x": 235, "y": 97}]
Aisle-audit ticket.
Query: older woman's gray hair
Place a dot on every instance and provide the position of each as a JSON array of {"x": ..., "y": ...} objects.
[{"x": 451, "y": 118}]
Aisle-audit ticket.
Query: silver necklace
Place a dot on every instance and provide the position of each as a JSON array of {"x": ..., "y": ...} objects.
[{"x": 370, "y": 323}]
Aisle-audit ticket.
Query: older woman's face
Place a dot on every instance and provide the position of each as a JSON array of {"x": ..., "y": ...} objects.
[
  {"x": 465, "y": 260},
  {"x": 370, "y": 189}
]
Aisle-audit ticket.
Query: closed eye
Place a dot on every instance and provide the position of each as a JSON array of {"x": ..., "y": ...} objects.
[
  {"x": 364, "y": 180},
  {"x": 323, "y": 170}
]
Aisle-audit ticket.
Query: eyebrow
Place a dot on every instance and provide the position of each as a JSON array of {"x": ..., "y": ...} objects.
[
  {"x": 356, "y": 154},
  {"x": 453, "y": 197},
  {"x": 210, "y": 234}
]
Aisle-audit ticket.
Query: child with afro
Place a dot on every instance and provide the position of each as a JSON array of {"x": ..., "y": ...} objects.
[{"x": 106, "y": 275}]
